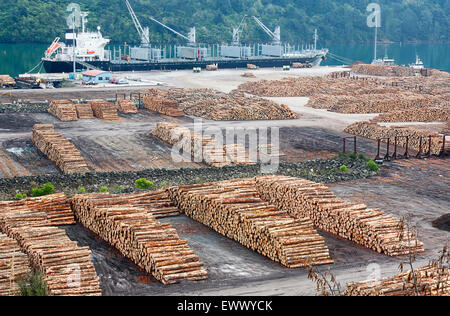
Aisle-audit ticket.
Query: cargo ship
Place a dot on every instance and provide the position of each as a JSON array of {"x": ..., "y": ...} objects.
[{"x": 83, "y": 49}]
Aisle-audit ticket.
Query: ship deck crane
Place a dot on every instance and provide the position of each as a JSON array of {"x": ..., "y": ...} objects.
[
  {"x": 237, "y": 32},
  {"x": 191, "y": 38},
  {"x": 276, "y": 35},
  {"x": 144, "y": 33}
]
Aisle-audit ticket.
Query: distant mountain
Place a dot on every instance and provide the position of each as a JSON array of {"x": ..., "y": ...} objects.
[{"x": 336, "y": 20}]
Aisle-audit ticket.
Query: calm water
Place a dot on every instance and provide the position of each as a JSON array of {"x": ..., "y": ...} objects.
[{"x": 20, "y": 58}]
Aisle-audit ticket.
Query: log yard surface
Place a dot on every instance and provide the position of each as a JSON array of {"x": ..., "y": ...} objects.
[{"x": 224, "y": 227}]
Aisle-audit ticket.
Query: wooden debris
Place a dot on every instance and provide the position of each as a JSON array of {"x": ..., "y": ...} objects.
[
  {"x": 104, "y": 110},
  {"x": 153, "y": 246},
  {"x": 370, "y": 228},
  {"x": 234, "y": 209},
  {"x": 13, "y": 265},
  {"x": 127, "y": 107},
  {"x": 58, "y": 149},
  {"x": 64, "y": 110},
  {"x": 55, "y": 206},
  {"x": 431, "y": 280},
  {"x": 84, "y": 111},
  {"x": 248, "y": 75},
  {"x": 67, "y": 268},
  {"x": 375, "y": 131},
  {"x": 251, "y": 66}
]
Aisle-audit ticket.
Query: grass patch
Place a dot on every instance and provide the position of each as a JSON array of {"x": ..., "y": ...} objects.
[
  {"x": 32, "y": 284},
  {"x": 46, "y": 189},
  {"x": 372, "y": 166},
  {"x": 144, "y": 184}
]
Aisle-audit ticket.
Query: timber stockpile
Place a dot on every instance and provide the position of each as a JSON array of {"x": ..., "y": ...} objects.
[
  {"x": 64, "y": 110},
  {"x": 6, "y": 81},
  {"x": 153, "y": 246},
  {"x": 158, "y": 101},
  {"x": 58, "y": 149},
  {"x": 431, "y": 280},
  {"x": 104, "y": 110},
  {"x": 431, "y": 114},
  {"x": 56, "y": 206},
  {"x": 235, "y": 210},
  {"x": 13, "y": 265},
  {"x": 218, "y": 106},
  {"x": 67, "y": 268},
  {"x": 84, "y": 111},
  {"x": 375, "y": 131},
  {"x": 127, "y": 106},
  {"x": 383, "y": 70},
  {"x": 370, "y": 228},
  {"x": 203, "y": 148},
  {"x": 156, "y": 203}
]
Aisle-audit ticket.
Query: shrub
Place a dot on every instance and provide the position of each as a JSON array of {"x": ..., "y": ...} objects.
[
  {"x": 144, "y": 184},
  {"x": 82, "y": 190},
  {"x": 119, "y": 188},
  {"x": 372, "y": 165},
  {"x": 103, "y": 189},
  {"x": 46, "y": 189},
  {"x": 343, "y": 168},
  {"x": 352, "y": 156},
  {"x": 362, "y": 157},
  {"x": 21, "y": 196},
  {"x": 164, "y": 184},
  {"x": 32, "y": 284}
]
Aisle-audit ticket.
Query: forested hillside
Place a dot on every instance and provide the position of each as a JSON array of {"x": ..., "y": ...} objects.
[{"x": 336, "y": 20}]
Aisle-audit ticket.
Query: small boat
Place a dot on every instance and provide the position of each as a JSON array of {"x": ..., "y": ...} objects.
[{"x": 418, "y": 64}]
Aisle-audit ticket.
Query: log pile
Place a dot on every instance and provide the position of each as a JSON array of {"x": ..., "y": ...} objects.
[
  {"x": 158, "y": 101},
  {"x": 370, "y": 228},
  {"x": 431, "y": 281},
  {"x": 13, "y": 265},
  {"x": 64, "y": 110},
  {"x": 202, "y": 148},
  {"x": 382, "y": 70},
  {"x": 234, "y": 209},
  {"x": 127, "y": 106},
  {"x": 104, "y": 110},
  {"x": 55, "y": 206},
  {"x": 375, "y": 131},
  {"x": 212, "y": 67},
  {"x": 251, "y": 66},
  {"x": 153, "y": 246},
  {"x": 156, "y": 203},
  {"x": 215, "y": 105},
  {"x": 430, "y": 114},
  {"x": 248, "y": 75},
  {"x": 339, "y": 74},
  {"x": 67, "y": 268},
  {"x": 6, "y": 81},
  {"x": 84, "y": 111},
  {"x": 58, "y": 149}
]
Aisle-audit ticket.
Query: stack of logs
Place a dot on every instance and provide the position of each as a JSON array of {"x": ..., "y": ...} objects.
[
  {"x": 13, "y": 266},
  {"x": 64, "y": 110},
  {"x": 104, "y": 110},
  {"x": 431, "y": 280},
  {"x": 58, "y": 149},
  {"x": 56, "y": 206},
  {"x": 153, "y": 246},
  {"x": 6, "y": 81},
  {"x": 158, "y": 102},
  {"x": 383, "y": 70},
  {"x": 375, "y": 131},
  {"x": 84, "y": 111},
  {"x": 127, "y": 106},
  {"x": 67, "y": 268},
  {"x": 215, "y": 105},
  {"x": 202, "y": 148},
  {"x": 430, "y": 114},
  {"x": 370, "y": 228},
  {"x": 235, "y": 210}
]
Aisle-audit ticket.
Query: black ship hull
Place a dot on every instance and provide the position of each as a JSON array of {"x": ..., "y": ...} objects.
[{"x": 67, "y": 67}]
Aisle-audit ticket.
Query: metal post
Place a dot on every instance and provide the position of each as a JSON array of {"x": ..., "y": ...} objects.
[
  {"x": 429, "y": 147},
  {"x": 419, "y": 154},
  {"x": 378, "y": 151},
  {"x": 354, "y": 146},
  {"x": 387, "y": 158},
  {"x": 344, "y": 145},
  {"x": 406, "y": 155}
]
